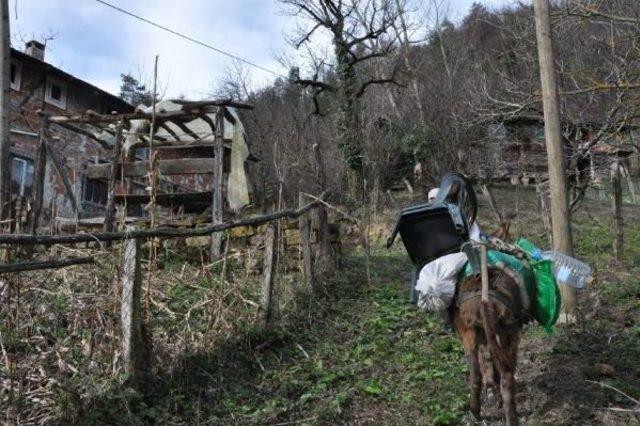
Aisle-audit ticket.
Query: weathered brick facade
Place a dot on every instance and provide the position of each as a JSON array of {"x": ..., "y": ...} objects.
[{"x": 37, "y": 85}]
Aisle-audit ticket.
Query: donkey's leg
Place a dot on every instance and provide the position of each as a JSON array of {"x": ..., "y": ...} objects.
[
  {"x": 507, "y": 389},
  {"x": 470, "y": 343},
  {"x": 507, "y": 368},
  {"x": 475, "y": 384}
]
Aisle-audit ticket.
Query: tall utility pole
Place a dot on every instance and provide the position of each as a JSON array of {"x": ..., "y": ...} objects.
[
  {"x": 560, "y": 214},
  {"x": 5, "y": 142}
]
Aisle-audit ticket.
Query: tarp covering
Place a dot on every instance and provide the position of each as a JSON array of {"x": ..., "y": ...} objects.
[{"x": 201, "y": 132}]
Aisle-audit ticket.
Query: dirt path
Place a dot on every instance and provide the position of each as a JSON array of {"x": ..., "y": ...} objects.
[{"x": 364, "y": 355}]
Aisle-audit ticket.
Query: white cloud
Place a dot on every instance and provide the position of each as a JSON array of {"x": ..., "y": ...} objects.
[{"x": 96, "y": 43}]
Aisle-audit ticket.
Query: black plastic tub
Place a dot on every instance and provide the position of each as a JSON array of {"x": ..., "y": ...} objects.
[{"x": 429, "y": 231}]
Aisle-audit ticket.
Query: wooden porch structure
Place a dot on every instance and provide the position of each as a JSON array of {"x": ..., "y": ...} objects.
[{"x": 161, "y": 132}]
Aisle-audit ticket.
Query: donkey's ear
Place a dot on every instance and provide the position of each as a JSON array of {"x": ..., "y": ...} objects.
[{"x": 454, "y": 192}]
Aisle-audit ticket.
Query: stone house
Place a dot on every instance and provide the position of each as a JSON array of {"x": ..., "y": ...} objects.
[{"x": 37, "y": 85}]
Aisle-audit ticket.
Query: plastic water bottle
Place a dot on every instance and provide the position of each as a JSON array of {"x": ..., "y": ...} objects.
[{"x": 567, "y": 270}]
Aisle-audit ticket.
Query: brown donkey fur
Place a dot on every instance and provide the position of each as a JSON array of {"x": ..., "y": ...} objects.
[{"x": 490, "y": 334}]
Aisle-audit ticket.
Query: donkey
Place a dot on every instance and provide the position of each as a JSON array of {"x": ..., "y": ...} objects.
[{"x": 490, "y": 332}]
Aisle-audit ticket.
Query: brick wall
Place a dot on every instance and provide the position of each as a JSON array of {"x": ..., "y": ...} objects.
[{"x": 75, "y": 151}]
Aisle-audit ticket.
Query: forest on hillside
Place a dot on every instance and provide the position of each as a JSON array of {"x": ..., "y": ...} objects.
[{"x": 405, "y": 93}]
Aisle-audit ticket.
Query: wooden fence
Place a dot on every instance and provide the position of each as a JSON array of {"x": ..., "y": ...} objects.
[{"x": 135, "y": 346}]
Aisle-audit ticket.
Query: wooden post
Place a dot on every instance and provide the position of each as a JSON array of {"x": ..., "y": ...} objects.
[
  {"x": 218, "y": 185},
  {"x": 484, "y": 274},
  {"x": 321, "y": 212},
  {"x": 560, "y": 213},
  {"x": 270, "y": 259},
  {"x": 110, "y": 213},
  {"x": 304, "y": 227},
  {"x": 5, "y": 112},
  {"x": 39, "y": 176},
  {"x": 616, "y": 183},
  {"x": 51, "y": 152},
  {"x": 134, "y": 347}
]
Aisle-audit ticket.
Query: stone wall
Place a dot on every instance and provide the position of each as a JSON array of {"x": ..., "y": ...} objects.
[{"x": 246, "y": 243}]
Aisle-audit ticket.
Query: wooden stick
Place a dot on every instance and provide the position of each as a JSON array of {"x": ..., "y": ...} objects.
[
  {"x": 616, "y": 183},
  {"x": 322, "y": 214},
  {"x": 49, "y": 240},
  {"x": 49, "y": 264},
  {"x": 86, "y": 133},
  {"x": 217, "y": 207},
  {"x": 187, "y": 131},
  {"x": 484, "y": 273},
  {"x": 134, "y": 350},
  {"x": 270, "y": 259},
  {"x": 305, "y": 246},
  {"x": 39, "y": 176},
  {"x": 113, "y": 177},
  {"x": 222, "y": 102},
  {"x": 65, "y": 179},
  {"x": 185, "y": 112}
]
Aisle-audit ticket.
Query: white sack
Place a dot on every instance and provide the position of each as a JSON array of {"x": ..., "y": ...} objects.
[{"x": 437, "y": 281}]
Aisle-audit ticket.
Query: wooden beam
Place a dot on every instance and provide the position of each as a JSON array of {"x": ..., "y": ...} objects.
[
  {"x": 222, "y": 102},
  {"x": 113, "y": 178},
  {"x": 270, "y": 259},
  {"x": 618, "y": 220},
  {"x": 187, "y": 130},
  {"x": 187, "y": 166},
  {"x": 135, "y": 350},
  {"x": 65, "y": 180},
  {"x": 38, "y": 176},
  {"x": 47, "y": 264},
  {"x": 186, "y": 112},
  {"x": 166, "y": 199},
  {"x": 322, "y": 214},
  {"x": 86, "y": 133},
  {"x": 217, "y": 205},
  {"x": 49, "y": 240},
  {"x": 169, "y": 130},
  {"x": 306, "y": 255}
]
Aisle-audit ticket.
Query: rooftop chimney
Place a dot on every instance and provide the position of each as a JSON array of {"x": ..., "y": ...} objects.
[{"x": 35, "y": 49}]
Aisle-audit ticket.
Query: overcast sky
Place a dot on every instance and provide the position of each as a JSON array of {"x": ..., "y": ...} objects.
[{"x": 96, "y": 43}]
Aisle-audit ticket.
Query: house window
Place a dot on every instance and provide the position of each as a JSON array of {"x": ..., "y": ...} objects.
[
  {"x": 16, "y": 75},
  {"x": 56, "y": 93},
  {"x": 21, "y": 176},
  {"x": 94, "y": 191}
]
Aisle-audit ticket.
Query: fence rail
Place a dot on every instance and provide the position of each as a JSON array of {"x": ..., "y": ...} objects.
[{"x": 48, "y": 240}]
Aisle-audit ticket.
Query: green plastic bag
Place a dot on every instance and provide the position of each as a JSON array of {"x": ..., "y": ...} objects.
[
  {"x": 495, "y": 257},
  {"x": 546, "y": 309}
]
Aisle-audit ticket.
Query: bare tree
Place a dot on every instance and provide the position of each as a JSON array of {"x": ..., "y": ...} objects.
[{"x": 352, "y": 26}]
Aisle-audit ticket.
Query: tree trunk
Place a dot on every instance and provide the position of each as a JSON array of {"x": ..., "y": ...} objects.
[
  {"x": 5, "y": 113},
  {"x": 560, "y": 214}
]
